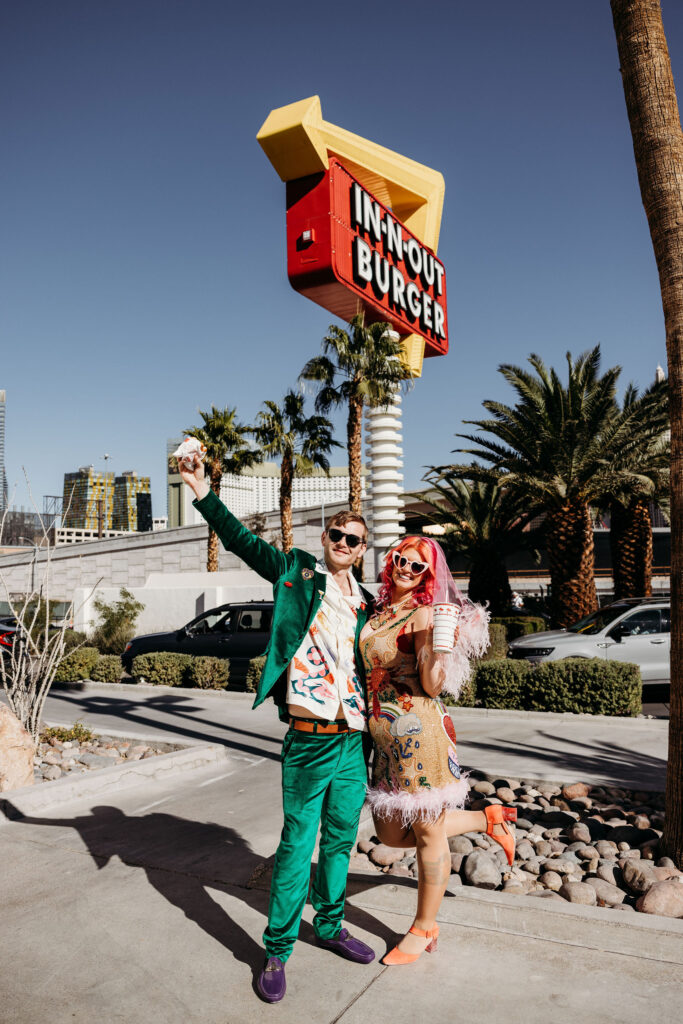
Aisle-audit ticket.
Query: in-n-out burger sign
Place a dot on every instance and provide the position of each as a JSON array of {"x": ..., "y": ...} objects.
[{"x": 345, "y": 249}]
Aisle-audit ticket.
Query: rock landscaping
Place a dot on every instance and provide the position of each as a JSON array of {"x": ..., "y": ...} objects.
[
  {"x": 591, "y": 845},
  {"x": 56, "y": 758}
]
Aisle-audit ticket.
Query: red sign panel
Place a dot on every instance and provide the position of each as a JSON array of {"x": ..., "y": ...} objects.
[{"x": 346, "y": 250}]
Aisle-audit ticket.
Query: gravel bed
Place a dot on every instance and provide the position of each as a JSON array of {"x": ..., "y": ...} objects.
[
  {"x": 591, "y": 845},
  {"x": 55, "y": 758}
]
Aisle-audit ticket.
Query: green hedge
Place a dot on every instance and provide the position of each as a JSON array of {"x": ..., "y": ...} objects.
[
  {"x": 107, "y": 669},
  {"x": 72, "y": 638},
  {"x": 577, "y": 685},
  {"x": 520, "y": 625},
  {"x": 162, "y": 668},
  {"x": 208, "y": 673},
  {"x": 254, "y": 672},
  {"x": 499, "y": 645},
  {"x": 77, "y": 665}
]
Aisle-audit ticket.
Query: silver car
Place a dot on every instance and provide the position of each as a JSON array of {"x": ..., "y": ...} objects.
[{"x": 634, "y": 629}]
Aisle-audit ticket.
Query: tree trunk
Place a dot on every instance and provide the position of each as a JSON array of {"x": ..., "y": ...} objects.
[
  {"x": 354, "y": 430},
  {"x": 286, "y": 478},
  {"x": 569, "y": 543},
  {"x": 488, "y": 582},
  {"x": 630, "y": 539},
  {"x": 658, "y": 149},
  {"x": 215, "y": 475}
]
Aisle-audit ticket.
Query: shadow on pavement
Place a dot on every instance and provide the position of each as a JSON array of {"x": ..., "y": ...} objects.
[
  {"x": 621, "y": 766},
  {"x": 130, "y": 709},
  {"x": 182, "y": 858}
]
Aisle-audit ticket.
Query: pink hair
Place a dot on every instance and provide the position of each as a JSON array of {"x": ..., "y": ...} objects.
[{"x": 424, "y": 592}]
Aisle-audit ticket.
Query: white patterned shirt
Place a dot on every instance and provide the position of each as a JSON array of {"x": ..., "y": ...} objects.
[{"x": 322, "y": 675}]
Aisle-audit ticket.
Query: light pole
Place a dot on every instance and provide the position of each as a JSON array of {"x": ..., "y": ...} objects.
[{"x": 102, "y": 503}]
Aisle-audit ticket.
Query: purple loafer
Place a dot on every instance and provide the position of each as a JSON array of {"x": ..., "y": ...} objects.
[
  {"x": 348, "y": 947},
  {"x": 271, "y": 984}
]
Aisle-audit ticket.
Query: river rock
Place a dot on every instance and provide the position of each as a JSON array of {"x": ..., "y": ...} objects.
[
  {"x": 505, "y": 794},
  {"x": 639, "y": 875},
  {"x": 641, "y": 821},
  {"x": 385, "y": 856},
  {"x": 579, "y": 833},
  {"x": 365, "y": 846},
  {"x": 579, "y": 892},
  {"x": 16, "y": 752},
  {"x": 525, "y": 850},
  {"x": 480, "y": 870},
  {"x": 484, "y": 788},
  {"x": 665, "y": 898},
  {"x": 608, "y": 894},
  {"x": 575, "y": 790},
  {"x": 551, "y": 880},
  {"x": 606, "y": 873},
  {"x": 606, "y": 849},
  {"x": 456, "y": 862},
  {"x": 543, "y": 848},
  {"x": 460, "y": 844}
]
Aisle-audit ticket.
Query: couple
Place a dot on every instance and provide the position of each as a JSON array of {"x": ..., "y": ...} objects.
[{"x": 337, "y": 665}]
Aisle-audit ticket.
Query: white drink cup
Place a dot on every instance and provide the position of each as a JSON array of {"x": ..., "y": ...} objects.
[{"x": 445, "y": 621}]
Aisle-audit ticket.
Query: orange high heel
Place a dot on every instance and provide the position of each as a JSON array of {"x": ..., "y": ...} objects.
[
  {"x": 496, "y": 814},
  {"x": 395, "y": 956}
]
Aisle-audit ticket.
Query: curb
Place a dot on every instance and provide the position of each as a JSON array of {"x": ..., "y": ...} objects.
[
  {"x": 45, "y": 796},
  {"x": 85, "y": 685},
  {"x": 641, "y": 936}
]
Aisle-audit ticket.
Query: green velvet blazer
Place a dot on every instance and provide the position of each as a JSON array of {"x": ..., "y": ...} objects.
[{"x": 298, "y": 589}]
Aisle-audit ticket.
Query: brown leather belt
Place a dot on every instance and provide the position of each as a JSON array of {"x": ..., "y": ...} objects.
[{"x": 317, "y": 726}]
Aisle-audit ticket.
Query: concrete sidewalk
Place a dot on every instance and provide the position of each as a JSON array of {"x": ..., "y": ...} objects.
[{"x": 146, "y": 906}]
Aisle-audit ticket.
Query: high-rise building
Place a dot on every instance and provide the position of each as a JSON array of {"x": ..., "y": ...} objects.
[
  {"x": 129, "y": 489},
  {"x": 88, "y": 500},
  {"x": 3, "y": 475}
]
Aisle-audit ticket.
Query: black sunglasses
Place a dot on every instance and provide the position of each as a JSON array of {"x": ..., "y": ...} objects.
[
  {"x": 401, "y": 562},
  {"x": 352, "y": 539}
]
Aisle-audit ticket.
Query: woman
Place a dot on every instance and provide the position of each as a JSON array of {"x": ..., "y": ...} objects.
[{"x": 417, "y": 791}]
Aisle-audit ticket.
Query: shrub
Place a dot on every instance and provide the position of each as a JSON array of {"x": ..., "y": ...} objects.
[
  {"x": 78, "y": 732},
  {"x": 578, "y": 685},
  {"x": 162, "y": 668},
  {"x": 117, "y": 623},
  {"x": 208, "y": 673},
  {"x": 78, "y": 664},
  {"x": 586, "y": 686},
  {"x": 501, "y": 683},
  {"x": 108, "y": 669},
  {"x": 72, "y": 638},
  {"x": 467, "y": 695},
  {"x": 254, "y": 672},
  {"x": 520, "y": 625},
  {"x": 498, "y": 646}
]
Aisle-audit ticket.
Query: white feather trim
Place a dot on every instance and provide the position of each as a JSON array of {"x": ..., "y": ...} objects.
[{"x": 427, "y": 804}]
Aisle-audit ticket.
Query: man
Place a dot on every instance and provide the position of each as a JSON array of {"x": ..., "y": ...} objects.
[{"x": 313, "y": 672}]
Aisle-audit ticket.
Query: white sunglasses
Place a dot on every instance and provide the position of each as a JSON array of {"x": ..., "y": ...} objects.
[{"x": 401, "y": 562}]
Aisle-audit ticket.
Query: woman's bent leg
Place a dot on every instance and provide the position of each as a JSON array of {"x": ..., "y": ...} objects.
[
  {"x": 391, "y": 832},
  {"x": 434, "y": 870},
  {"x": 458, "y": 822}
]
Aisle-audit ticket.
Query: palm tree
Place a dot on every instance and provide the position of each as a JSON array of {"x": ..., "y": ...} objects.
[
  {"x": 301, "y": 443},
  {"x": 658, "y": 148},
  {"x": 359, "y": 368},
  {"x": 557, "y": 446},
  {"x": 227, "y": 451},
  {"x": 484, "y": 522},
  {"x": 640, "y": 480}
]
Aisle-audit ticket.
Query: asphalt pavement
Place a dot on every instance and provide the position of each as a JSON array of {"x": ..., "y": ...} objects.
[{"x": 147, "y": 905}]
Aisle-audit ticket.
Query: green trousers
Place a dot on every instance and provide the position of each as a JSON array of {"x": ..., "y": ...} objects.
[{"x": 323, "y": 783}]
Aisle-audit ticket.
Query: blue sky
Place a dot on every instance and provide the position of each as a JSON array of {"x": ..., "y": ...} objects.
[{"x": 143, "y": 269}]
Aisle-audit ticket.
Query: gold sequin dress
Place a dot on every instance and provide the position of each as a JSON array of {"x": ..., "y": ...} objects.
[{"x": 416, "y": 772}]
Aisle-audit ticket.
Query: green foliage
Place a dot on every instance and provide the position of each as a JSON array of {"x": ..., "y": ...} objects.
[
  {"x": 501, "y": 683},
  {"x": 254, "y": 672},
  {"x": 586, "y": 686},
  {"x": 78, "y": 732},
  {"x": 78, "y": 664},
  {"x": 72, "y": 639},
  {"x": 117, "y": 622},
  {"x": 107, "y": 669},
  {"x": 577, "y": 685},
  {"x": 499, "y": 643},
  {"x": 208, "y": 673},
  {"x": 162, "y": 668},
  {"x": 520, "y": 625},
  {"x": 467, "y": 698}
]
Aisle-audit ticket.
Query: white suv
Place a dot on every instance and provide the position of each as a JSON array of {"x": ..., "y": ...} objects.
[{"x": 634, "y": 629}]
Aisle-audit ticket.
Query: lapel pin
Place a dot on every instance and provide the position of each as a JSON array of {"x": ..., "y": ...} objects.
[{"x": 307, "y": 574}]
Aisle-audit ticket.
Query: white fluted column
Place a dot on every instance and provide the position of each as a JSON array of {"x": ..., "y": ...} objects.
[{"x": 384, "y": 455}]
